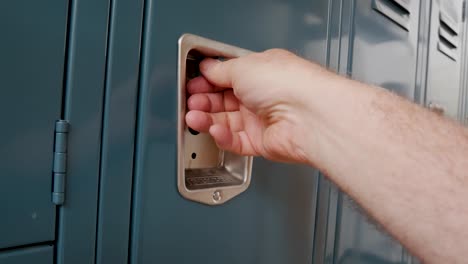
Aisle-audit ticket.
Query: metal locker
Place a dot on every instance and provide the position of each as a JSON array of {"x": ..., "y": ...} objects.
[
  {"x": 35, "y": 254},
  {"x": 52, "y": 67},
  {"x": 383, "y": 38},
  {"x": 271, "y": 222},
  {"x": 464, "y": 74},
  {"x": 110, "y": 68},
  {"x": 32, "y": 53},
  {"x": 384, "y": 44},
  {"x": 84, "y": 82},
  {"x": 118, "y": 132},
  {"x": 443, "y": 89}
]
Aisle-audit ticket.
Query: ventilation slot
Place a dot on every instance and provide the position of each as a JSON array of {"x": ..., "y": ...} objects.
[
  {"x": 449, "y": 39},
  {"x": 397, "y": 11}
]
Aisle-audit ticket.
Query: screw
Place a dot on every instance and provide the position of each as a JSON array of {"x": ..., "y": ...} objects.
[{"x": 217, "y": 196}]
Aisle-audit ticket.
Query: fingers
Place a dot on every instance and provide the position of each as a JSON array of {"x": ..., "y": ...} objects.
[
  {"x": 217, "y": 112},
  {"x": 214, "y": 102},
  {"x": 202, "y": 121},
  {"x": 236, "y": 142},
  {"x": 199, "y": 121},
  {"x": 218, "y": 73},
  {"x": 201, "y": 85}
]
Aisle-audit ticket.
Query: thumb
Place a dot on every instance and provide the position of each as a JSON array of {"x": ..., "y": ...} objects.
[{"x": 219, "y": 73}]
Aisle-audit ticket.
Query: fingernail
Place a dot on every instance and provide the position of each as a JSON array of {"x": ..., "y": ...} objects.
[{"x": 208, "y": 63}]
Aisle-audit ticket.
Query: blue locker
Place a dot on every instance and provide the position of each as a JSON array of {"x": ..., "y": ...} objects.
[
  {"x": 383, "y": 42},
  {"x": 273, "y": 221},
  {"x": 109, "y": 68},
  {"x": 464, "y": 74},
  {"x": 35, "y": 254},
  {"x": 443, "y": 90},
  {"x": 84, "y": 84},
  {"x": 118, "y": 132},
  {"x": 32, "y": 52}
]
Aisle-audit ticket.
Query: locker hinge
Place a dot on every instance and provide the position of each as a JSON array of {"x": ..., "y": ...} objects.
[{"x": 59, "y": 167}]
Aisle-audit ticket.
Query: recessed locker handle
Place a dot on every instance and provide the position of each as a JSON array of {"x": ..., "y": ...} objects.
[
  {"x": 205, "y": 174},
  {"x": 396, "y": 10}
]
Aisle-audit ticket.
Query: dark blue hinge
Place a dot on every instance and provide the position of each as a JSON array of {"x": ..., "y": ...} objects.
[{"x": 59, "y": 170}]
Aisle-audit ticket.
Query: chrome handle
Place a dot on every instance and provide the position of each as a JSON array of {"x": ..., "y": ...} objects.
[{"x": 205, "y": 173}]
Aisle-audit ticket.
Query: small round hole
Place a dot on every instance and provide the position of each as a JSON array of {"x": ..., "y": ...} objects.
[
  {"x": 194, "y": 155},
  {"x": 193, "y": 132}
]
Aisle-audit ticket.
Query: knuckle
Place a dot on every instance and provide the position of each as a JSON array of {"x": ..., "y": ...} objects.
[{"x": 278, "y": 53}]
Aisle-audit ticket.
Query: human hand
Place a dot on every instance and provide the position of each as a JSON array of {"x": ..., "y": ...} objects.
[
  {"x": 377, "y": 147},
  {"x": 255, "y": 105}
]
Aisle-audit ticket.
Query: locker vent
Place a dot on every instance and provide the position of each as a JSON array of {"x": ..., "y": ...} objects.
[
  {"x": 449, "y": 39},
  {"x": 397, "y": 11}
]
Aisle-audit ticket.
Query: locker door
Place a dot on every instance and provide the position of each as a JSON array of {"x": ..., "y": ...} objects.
[
  {"x": 31, "y": 71},
  {"x": 383, "y": 47},
  {"x": 273, "y": 221},
  {"x": 464, "y": 72},
  {"x": 36, "y": 254},
  {"x": 444, "y": 63},
  {"x": 384, "y": 44}
]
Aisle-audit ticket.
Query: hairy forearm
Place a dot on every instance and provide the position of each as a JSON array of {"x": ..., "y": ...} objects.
[{"x": 403, "y": 164}]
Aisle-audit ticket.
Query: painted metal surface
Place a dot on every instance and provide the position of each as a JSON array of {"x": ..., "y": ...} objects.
[
  {"x": 59, "y": 168},
  {"x": 324, "y": 240},
  {"x": 340, "y": 27},
  {"x": 464, "y": 72},
  {"x": 36, "y": 254},
  {"x": 373, "y": 34},
  {"x": 118, "y": 135},
  {"x": 87, "y": 50},
  {"x": 423, "y": 52},
  {"x": 443, "y": 78},
  {"x": 288, "y": 215},
  {"x": 273, "y": 221},
  {"x": 32, "y": 52}
]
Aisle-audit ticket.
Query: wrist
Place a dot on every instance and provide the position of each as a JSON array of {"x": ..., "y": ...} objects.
[{"x": 321, "y": 107}]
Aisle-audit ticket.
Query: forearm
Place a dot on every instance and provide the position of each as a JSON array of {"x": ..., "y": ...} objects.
[{"x": 404, "y": 165}]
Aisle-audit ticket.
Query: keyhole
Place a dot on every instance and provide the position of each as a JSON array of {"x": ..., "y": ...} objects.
[
  {"x": 193, "y": 132},
  {"x": 194, "y": 155}
]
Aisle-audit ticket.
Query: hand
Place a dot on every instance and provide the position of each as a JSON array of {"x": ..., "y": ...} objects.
[
  {"x": 387, "y": 154},
  {"x": 255, "y": 105}
]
